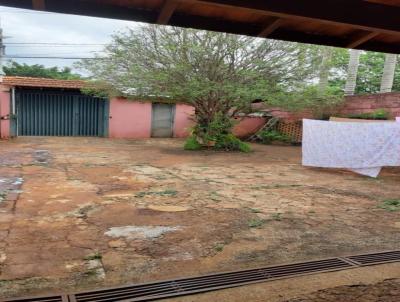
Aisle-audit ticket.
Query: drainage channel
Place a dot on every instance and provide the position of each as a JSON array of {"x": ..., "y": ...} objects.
[{"x": 186, "y": 286}]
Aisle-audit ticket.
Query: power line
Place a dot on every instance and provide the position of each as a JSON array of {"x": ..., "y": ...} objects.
[
  {"x": 54, "y": 43},
  {"x": 58, "y": 58},
  {"x": 49, "y": 46}
]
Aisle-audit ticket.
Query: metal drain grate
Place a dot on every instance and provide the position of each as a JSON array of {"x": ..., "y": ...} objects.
[
  {"x": 376, "y": 258},
  {"x": 62, "y": 298},
  {"x": 157, "y": 290},
  {"x": 185, "y": 286}
]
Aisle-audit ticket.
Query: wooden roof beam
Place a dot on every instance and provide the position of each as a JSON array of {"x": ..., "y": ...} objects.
[
  {"x": 39, "y": 4},
  {"x": 361, "y": 39},
  {"x": 274, "y": 24},
  {"x": 166, "y": 12},
  {"x": 353, "y": 13}
]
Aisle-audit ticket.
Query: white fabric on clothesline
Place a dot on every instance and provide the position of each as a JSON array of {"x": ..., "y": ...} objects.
[{"x": 361, "y": 147}]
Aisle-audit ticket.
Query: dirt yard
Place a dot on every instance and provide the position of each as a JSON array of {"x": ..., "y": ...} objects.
[{"x": 84, "y": 213}]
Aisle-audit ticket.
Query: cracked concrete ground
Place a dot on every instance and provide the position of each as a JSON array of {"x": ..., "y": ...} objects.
[{"x": 80, "y": 213}]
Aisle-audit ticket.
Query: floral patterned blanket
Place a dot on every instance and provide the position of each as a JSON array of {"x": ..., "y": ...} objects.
[{"x": 361, "y": 147}]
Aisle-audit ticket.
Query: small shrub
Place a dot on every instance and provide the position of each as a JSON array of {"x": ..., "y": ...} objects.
[
  {"x": 390, "y": 205},
  {"x": 256, "y": 222},
  {"x": 270, "y": 136},
  {"x": 192, "y": 144},
  {"x": 229, "y": 142}
]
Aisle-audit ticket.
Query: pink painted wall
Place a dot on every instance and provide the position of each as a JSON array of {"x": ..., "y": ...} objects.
[
  {"x": 4, "y": 110},
  {"x": 132, "y": 119},
  {"x": 248, "y": 126},
  {"x": 183, "y": 120},
  {"x": 129, "y": 119}
]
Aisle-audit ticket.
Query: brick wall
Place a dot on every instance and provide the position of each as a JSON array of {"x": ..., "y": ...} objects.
[
  {"x": 352, "y": 105},
  {"x": 369, "y": 103}
]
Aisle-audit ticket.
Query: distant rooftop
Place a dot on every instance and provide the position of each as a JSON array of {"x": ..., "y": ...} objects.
[{"x": 42, "y": 82}]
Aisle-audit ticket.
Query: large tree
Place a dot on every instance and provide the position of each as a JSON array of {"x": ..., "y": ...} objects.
[
  {"x": 39, "y": 71},
  {"x": 219, "y": 74}
]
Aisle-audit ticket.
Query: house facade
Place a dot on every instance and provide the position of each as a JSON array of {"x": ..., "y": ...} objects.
[{"x": 48, "y": 107}]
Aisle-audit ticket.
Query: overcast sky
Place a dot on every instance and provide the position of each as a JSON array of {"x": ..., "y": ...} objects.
[{"x": 26, "y": 26}]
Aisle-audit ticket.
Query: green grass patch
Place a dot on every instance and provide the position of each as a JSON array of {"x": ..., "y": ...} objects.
[
  {"x": 219, "y": 247},
  {"x": 168, "y": 192},
  {"x": 276, "y": 216},
  {"x": 390, "y": 205},
  {"x": 192, "y": 144},
  {"x": 255, "y": 222},
  {"x": 94, "y": 256}
]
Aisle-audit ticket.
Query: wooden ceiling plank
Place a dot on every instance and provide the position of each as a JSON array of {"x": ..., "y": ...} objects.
[
  {"x": 270, "y": 27},
  {"x": 361, "y": 39},
  {"x": 167, "y": 10},
  {"x": 356, "y": 14},
  {"x": 39, "y": 4}
]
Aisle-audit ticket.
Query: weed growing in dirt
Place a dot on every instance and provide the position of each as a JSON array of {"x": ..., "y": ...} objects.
[
  {"x": 255, "y": 222},
  {"x": 2, "y": 196},
  {"x": 390, "y": 205},
  {"x": 276, "y": 216},
  {"x": 276, "y": 186},
  {"x": 219, "y": 247},
  {"x": 215, "y": 196},
  {"x": 95, "y": 256},
  {"x": 255, "y": 210},
  {"x": 192, "y": 144},
  {"x": 159, "y": 193}
]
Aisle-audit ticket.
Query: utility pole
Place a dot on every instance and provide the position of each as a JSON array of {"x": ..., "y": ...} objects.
[{"x": 2, "y": 51}]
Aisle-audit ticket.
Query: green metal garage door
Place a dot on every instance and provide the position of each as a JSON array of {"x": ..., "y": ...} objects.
[{"x": 60, "y": 113}]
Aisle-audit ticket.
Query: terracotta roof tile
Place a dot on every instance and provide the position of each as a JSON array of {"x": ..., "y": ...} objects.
[{"x": 42, "y": 82}]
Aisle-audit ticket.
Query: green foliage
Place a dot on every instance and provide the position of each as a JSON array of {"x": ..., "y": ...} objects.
[
  {"x": 369, "y": 72},
  {"x": 267, "y": 137},
  {"x": 390, "y": 205},
  {"x": 214, "y": 129},
  {"x": 379, "y": 114},
  {"x": 39, "y": 71},
  {"x": 229, "y": 142},
  {"x": 217, "y": 134},
  {"x": 244, "y": 147},
  {"x": 307, "y": 97},
  {"x": 192, "y": 144},
  {"x": 218, "y": 74}
]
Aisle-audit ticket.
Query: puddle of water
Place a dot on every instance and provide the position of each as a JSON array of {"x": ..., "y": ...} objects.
[{"x": 140, "y": 232}]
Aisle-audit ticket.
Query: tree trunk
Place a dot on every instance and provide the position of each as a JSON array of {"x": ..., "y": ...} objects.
[
  {"x": 388, "y": 72},
  {"x": 352, "y": 72},
  {"x": 324, "y": 69}
]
